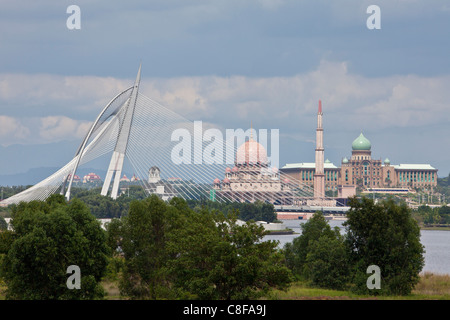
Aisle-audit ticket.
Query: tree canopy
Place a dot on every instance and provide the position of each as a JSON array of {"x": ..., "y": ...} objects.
[
  {"x": 172, "y": 251},
  {"x": 385, "y": 235},
  {"x": 319, "y": 254},
  {"x": 48, "y": 237}
]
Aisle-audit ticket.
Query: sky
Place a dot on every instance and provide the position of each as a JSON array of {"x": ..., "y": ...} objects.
[{"x": 231, "y": 63}]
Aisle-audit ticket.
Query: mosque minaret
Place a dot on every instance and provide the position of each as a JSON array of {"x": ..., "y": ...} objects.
[{"x": 319, "y": 175}]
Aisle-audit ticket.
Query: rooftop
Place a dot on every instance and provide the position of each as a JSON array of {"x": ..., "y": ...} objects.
[
  {"x": 403, "y": 166},
  {"x": 308, "y": 165}
]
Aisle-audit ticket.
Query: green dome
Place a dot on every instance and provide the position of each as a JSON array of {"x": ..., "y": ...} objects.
[
  {"x": 345, "y": 160},
  {"x": 361, "y": 143},
  {"x": 387, "y": 161}
]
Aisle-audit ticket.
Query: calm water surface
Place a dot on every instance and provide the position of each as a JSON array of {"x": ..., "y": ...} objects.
[{"x": 437, "y": 244}]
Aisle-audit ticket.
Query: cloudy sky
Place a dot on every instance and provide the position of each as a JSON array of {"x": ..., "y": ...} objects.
[{"x": 231, "y": 63}]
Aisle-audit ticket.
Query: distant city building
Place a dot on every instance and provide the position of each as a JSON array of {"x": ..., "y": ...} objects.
[
  {"x": 154, "y": 175},
  {"x": 91, "y": 177},
  {"x": 156, "y": 185},
  {"x": 76, "y": 178}
]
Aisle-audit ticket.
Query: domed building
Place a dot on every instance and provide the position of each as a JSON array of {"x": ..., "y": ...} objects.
[
  {"x": 361, "y": 168},
  {"x": 91, "y": 178},
  {"x": 251, "y": 153},
  {"x": 366, "y": 172},
  {"x": 252, "y": 178},
  {"x": 361, "y": 144}
]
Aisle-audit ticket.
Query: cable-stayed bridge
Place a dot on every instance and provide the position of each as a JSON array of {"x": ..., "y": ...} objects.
[{"x": 135, "y": 131}]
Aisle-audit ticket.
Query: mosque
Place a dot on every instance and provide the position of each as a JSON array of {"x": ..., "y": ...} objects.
[{"x": 251, "y": 178}]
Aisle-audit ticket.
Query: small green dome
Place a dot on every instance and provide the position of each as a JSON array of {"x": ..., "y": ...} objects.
[
  {"x": 327, "y": 161},
  {"x": 387, "y": 161},
  {"x": 361, "y": 143},
  {"x": 345, "y": 160}
]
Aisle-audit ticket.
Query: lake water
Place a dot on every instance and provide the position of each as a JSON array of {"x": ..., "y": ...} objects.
[{"x": 437, "y": 244}]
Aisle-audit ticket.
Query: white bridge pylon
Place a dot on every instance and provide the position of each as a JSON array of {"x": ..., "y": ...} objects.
[
  {"x": 135, "y": 132},
  {"x": 118, "y": 156}
]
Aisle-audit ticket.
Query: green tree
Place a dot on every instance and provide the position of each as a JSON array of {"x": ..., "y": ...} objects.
[
  {"x": 172, "y": 251},
  {"x": 48, "y": 237},
  {"x": 296, "y": 251},
  {"x": 385, "y": 235},
  {"x": 218, "y": 258},
  {"x": 327, "y": 263},
  {"x": 3, "y": 224},
  {"x": 143, "y": 238}
]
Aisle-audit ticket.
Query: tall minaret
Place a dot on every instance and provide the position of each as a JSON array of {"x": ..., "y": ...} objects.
[{"x": 319, "y": 176}]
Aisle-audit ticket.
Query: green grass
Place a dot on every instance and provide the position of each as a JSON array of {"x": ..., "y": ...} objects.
[
  {"x": 112, "y": 291},
  {"x": 436, "y": 228},
  {"x": 430, "y": 287},
  {"x": 2, "y": 290}
]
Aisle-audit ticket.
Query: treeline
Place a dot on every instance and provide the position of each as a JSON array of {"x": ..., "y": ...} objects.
[
  {"x": 426, "y": 215},
  {"x": 106, "y": 207},
  {"x": 7, "y": 192},
  {"x": 256, "y": 211},
  {"x": 443, "y": 186},
  {"x": 169, "y": 250}
]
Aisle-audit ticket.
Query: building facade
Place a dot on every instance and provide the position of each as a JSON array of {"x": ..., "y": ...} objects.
[
  {"x": 252, "y": 179},
  {"x": 360, "y": 169}
]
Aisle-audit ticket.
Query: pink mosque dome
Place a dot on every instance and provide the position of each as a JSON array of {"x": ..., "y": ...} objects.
[
  {"x": 227, "y": 170},
  {"x": 235, "y": 169},
  {"x": 251, "y": 152},
  {"x": 226, "y": 180},
  {"x": 216, "y": 181},
  {"x": 286, "y": 180}
]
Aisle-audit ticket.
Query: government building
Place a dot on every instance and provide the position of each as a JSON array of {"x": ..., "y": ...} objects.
[{"x": 361, "y": 170}]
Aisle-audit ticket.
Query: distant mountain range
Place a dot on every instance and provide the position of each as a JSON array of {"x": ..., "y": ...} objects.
[
  {"x": 30, "y": 164},
  {"x": 36, "y": 175},
  {"x": 21, "y": 158}
]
